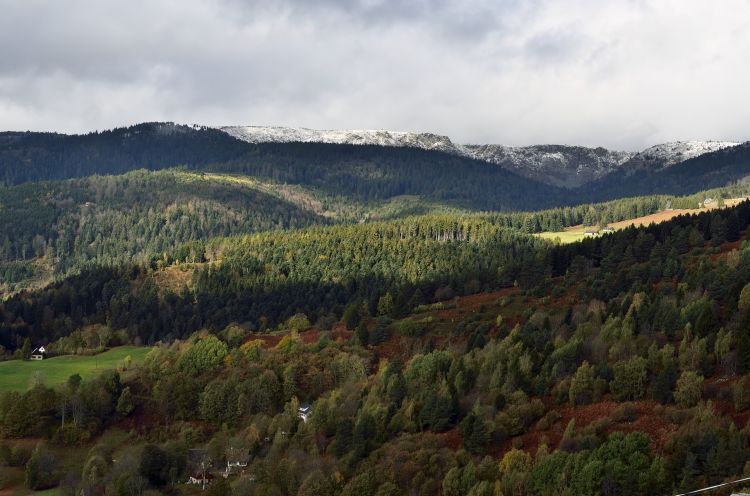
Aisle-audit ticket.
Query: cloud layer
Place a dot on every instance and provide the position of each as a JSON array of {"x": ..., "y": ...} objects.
[{"x": 622, "y": 73}]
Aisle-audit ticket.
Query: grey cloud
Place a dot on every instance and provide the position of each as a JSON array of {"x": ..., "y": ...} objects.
[
  {"x": 622, "y": 74},
  {"x": 469, "y": 20}
]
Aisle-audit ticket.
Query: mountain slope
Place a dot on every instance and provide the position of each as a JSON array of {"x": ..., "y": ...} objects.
[
  {"x": 53, "y": 228},
  {"x": 372, "y": 172},
  {"x": 557, "y": 165},
  {"x": 28, "y": 157},
  {"x": 362, "y": 173},
  {"x": 708, "y": 170},
  {"x": 261, "y": 134},
  {"x": 666, "y": 154},
  {"x": 363, "y": 166},
  {"x": 566, "y": 166}
]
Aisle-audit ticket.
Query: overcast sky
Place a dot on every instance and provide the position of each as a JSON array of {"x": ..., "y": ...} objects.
[{"x": 624, "y": 74}]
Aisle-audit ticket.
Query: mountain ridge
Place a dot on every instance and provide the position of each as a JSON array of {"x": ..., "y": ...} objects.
[
  {"x": 561, "y": 174},
  {"x": 568, "y": 166}
]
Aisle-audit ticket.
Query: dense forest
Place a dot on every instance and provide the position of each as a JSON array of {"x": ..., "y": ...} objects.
[
  {"x": 57, "y": 228},
  {"x": 31, "y": 157},
  {"x": 441, "y": 355},
  {"x": 268, "y": 277},
  {"x": 710, "y": 170},
  {"x": 354, "y": 320},
  {"x": 110, "y": 220},
  {"x": 362, "y": 172}
]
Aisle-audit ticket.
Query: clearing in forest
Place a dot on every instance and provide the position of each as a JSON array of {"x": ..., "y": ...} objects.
[
  {"x": 577, "y": 233},
  {"x": 17, "y": 375}
]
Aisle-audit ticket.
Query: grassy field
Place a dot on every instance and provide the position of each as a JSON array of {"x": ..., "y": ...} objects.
[
  {"x": 575, "y": 233},
  {"x": 16, "y": 375},
  {"x": 570, "y": 236}
]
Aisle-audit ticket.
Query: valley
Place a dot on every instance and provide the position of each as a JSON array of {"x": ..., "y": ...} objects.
[
  {"x": 343, "y": 316},
  {"x": 374, "y": 248}
]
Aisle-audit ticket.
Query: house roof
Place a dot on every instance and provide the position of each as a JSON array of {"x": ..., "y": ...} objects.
[
  {"x": 304, "y": 408},
  {"x": 40, "y": 349}
]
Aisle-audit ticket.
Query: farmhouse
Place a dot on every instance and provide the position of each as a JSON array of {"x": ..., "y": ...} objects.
[
  {"x": 303, "y": 411},
  {"x": 38, "y": 353},
  {"x": 608, "y": 229},
  {"x": 590, "y": 232},
  {"x": 200, "y": 478}
]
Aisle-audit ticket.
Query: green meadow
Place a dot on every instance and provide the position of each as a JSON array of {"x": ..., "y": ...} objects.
[
  {"x": 16, "y": 375},
  {"x": 564, "y": 237}
]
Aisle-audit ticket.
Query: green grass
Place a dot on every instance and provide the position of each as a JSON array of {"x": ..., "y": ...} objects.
[
  {"x": 12, "y": 481},
  {"x": 564, "y": 237},
  {"x": 16, "y": 375},
  {"x": 50, "y": 492}
]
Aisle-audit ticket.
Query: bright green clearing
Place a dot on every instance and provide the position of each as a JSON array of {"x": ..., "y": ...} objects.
[
  {"x": 15, "y": 375},
  {"x": 565, "y": 237}
]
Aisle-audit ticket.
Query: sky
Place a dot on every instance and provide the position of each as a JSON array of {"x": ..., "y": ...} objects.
[{"x": 624, "y": 74}]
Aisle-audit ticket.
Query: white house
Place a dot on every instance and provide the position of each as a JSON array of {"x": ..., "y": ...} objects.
[
  {"x": 303, "y": 411},
  {"x": 38, "y": 353}
]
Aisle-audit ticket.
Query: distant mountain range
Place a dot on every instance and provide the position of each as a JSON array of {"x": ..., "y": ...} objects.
[
  {"x": 558, "y": 165},
  {"x": 378, "y": 165}
]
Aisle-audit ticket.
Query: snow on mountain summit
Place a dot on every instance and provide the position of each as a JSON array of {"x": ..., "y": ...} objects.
[
  {"x": 678, "y": 151},
  {"x": 261, "y": 134},
  {"x": 568, "y": 166},
  {"x": 559, "y": 165}
]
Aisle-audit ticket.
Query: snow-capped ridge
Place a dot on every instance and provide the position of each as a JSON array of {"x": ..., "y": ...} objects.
[
  {"x": 562, "y": 165},
  {"x": 261, "y": 134},
  {"x": 673, "y": 152},
  {"x": 559, "y": 165}
]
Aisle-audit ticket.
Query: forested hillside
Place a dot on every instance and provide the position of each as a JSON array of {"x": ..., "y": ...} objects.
[
  {"x": 53, "y": 228},
  {"x": 710, "y": 170},
  {"x": 268, "y": 277},
  {"x": 369, "y": 172},
  {"x": 440, "y": 355},
  {"x": 359, "y": 172},
  {"x": 30, "y": 157},
  {"x": 360, "y": 320}
]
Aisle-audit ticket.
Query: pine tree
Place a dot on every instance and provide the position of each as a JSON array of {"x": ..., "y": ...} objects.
[
  {"x": 582, "y": 385},
  {"x": 125, "y": 404},
  {"x": 26, "y": 349},
  {"x": 362, "y": 334},
  {"x": 718, "y": 230},
  {"x": 475, "y": 433},
  {"x": 743, "y": 347}
]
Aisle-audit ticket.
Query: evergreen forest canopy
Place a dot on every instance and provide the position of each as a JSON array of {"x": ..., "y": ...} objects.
[
  {"x": 452, "y": 352},
  {"x": 360, "y": 172},
  {"x": 52, "y": 229}
]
